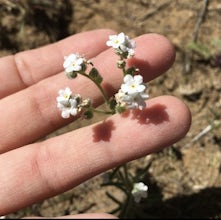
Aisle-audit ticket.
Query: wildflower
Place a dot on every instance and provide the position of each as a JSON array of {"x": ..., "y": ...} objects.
[
  {"x": 125, "y": 101},
  {"x": 68, "y": 103},
  {"x": 133, "y": 84},
  {"x": 132, "y": 91},
  {"x": 139, "y": 191},
  {"x": 122, "y": 44},
  {"x": 116, "y": 41},
  {"x": 74, "y": 63},
  {"x": 132, "y": 94},
  {"x": 64, "y": 96}
]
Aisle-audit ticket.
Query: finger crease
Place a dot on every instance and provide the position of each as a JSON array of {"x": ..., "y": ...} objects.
[
  {"x": 41, "y": 105},
  {"x": 23, "y": 70},
  {"x": 40, "y": 163}
]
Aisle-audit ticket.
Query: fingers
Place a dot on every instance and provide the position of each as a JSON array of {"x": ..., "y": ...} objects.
[
  {"x": 42, "y": 170},
  {"x": 29, "y": 67},
  {"x": 35, "y": 107}
]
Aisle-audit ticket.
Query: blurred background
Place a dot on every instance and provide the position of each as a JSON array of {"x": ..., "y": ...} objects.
[{"x": 184, "y": 180}]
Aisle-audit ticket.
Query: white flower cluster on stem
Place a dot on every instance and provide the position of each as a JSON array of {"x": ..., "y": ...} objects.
[
  {"x": 132, "y": 93},
  {"x": 69, "y": 103},
  {"x": 122, "y": 44},
  {"x": 139, "y": 191},
  {"x": 73, "y": 63}
]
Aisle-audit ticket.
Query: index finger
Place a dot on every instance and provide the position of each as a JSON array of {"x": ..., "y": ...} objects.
[{"x": 28, "y": 67}]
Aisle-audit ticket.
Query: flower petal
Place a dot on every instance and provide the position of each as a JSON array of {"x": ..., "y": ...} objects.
[
  {"x": 138, "y": 79},
  {"x": 128, "y": 78}
]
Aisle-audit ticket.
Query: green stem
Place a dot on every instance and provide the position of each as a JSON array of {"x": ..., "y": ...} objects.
[
  {"x": 125, "y": 211},
  {"x": 123, "y": 68},
  {"x": 101, "y": 111},
  {"x": 99, "y": 87},
  {"x": 125, "y": 168}
]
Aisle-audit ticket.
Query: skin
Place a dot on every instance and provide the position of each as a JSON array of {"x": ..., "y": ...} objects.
[{"x": 35, "y": 171}]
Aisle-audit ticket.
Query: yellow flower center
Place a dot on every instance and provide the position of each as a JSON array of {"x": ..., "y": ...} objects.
[{"x": 66, "y": 96}]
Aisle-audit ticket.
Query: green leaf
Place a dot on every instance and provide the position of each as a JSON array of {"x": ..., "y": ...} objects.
[
  {"x": 120, "y": 109},
  {"x": 131, "y": 71},
  {"x": 71, "y": 75},
  {"x": 95, "y": 76},
  {"x": 88, "y": 114},
  {"x": 112, "y": 104},
  {"x": 200, "y": 49}
]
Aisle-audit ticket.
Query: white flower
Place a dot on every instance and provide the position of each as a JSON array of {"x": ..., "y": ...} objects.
[
  {"x": 133, "y": 84},
  {"x": 139, "y": 191},
  {"x": 73, "y": 62},
  {"x": 72, "y": 109},
  {"x": 132, "y": 93},
  {"x": 64, "y": 96},
  {"x": 131, "y": 101},
  {"x": 116, "y": 41},
  {"x": 68, "y": 103},
  {"x": 137, "y": 101},
  {"x": 128, "y": 46},
  {"x": 122, "y": 44}
]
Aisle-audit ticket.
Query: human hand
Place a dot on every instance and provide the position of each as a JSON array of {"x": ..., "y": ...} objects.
[{"x": 31, "y": 172}]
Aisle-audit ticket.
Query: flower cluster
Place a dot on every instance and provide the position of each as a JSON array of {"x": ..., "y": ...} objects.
[
  {"x": 73, "y": 64},
  {"x": 139, "y": 191},
  {"x": 122, "y": 44},
  {"x": 70, "y": 104},
  {"x": 131, "y": 95}
]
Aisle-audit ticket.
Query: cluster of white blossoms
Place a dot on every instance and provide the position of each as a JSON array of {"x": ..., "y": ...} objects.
[
  {"x": 139, "y": 191},
  {"x": 69, "y": 103},
  {"x": 73, "y": 63},
  {"x": 122, "y": 44},
  {"x": 132, "y": 93}
]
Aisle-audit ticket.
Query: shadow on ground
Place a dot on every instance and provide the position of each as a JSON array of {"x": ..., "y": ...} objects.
[{"x": 203, "y": 204}]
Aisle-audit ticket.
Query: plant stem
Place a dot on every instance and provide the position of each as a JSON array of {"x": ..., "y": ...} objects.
[
  {"x": 126, "y": 209},
  {"x": 101, "y": 111},
  {"x": 123, "y": 68},
  {"x": 99, "y": 87},
  {"x": 125, "y": 168}
]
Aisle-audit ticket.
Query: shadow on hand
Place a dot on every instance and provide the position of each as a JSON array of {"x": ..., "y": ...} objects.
[
  {"x": 155, "y": 114},
  {"x": 103, "y": 130}
]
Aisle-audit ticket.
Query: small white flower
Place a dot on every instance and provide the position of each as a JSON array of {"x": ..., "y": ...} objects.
[
  {"x": 68, "y": 103},
  {"x": 122, "y": 44},
  {"x": 67, "y": 111},
  {"x": 133, "y": 101},
  {"x": 64, "y": 96},
  {"x": 73, "y": 62},
  {"x": 116, "y": 41},
  {"x": 132, "y": 93},
  {"x": 139, "y": 191},
  {"x": 128, "y": 46},
  {"x": 138, "y": 101},
  {"x": 133, "y": 84}
]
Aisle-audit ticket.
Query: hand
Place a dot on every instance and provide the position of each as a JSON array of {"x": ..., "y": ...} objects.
[{"x": 32, "y": 171}]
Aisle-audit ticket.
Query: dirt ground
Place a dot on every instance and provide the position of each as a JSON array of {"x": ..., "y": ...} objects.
[{"x": 184, "y": 180}]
